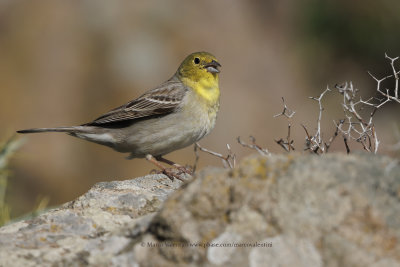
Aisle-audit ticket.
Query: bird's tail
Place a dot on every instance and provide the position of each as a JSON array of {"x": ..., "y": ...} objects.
[{"x": 72, "y": 129}]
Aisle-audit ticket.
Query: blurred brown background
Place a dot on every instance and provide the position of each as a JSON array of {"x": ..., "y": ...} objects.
[{"x": 66, "y": 62}]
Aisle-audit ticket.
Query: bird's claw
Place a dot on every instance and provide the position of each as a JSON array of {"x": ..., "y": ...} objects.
[
  {"x": 173, "y": 173},
  {"x": 185, "y": 169}
]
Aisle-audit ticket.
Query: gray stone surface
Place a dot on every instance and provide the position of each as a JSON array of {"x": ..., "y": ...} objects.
[
  {"x": 92, "y": 229},
  {"x": 283, "y": 210}
]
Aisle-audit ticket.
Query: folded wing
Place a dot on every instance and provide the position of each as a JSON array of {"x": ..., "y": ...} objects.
[{"x": 156, "y": 102}]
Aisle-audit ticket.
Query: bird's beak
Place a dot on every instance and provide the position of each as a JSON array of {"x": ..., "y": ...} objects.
[{"x": 212, "y": 67}]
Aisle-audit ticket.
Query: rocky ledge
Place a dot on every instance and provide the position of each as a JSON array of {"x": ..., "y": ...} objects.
[{"x": 282, "y": 210}]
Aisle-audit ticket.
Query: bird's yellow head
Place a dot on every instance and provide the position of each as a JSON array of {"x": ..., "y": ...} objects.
[{"x": 199, "y": 71}]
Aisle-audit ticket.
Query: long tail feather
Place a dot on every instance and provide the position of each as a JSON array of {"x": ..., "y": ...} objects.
[{"x": 73, "y": 129}]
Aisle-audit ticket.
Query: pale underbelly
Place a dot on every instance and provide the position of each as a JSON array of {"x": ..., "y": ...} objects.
[{"x": 162, "y": 136}]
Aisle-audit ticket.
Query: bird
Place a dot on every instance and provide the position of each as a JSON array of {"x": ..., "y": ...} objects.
[{"x": 171, "y": 116}]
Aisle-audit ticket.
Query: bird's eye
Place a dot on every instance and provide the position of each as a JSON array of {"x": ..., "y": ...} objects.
[{"x": 196, "y": 60}]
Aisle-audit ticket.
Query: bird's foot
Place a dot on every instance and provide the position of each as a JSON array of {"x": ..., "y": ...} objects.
[
  {"x": 171, "y": 173},
  {"x": 176, "y": 172},
  {"x": 184, "y": 169}
]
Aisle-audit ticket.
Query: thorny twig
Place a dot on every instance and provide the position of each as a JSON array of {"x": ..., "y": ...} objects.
[
  {"x": 287, "y": 112},
  {"x": 356, "y": 125},
  {"x": 289, "y": 141},
  {"x": 315, "y": 142},
  {"x": 362, "y": 130},
  {"x": 253, "y": 145},
  {"x": 310, "y": 143},
  {"x": 396, "y": 78},
  {"x": 228, "y": 161},
  {"x": 317, "y": 136},
  {"x": 287, "y": 144},
  {"x": 335, "y": 134}
]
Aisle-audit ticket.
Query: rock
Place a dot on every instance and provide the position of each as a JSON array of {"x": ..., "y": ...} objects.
[
  {"x": 89, "y": 230},
  {"x": 282, "y": 210}
]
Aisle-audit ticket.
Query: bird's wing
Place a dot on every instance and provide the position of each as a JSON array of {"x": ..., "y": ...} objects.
[{"x": 158, "y": 101}]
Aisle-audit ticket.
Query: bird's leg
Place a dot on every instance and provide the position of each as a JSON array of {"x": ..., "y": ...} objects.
[
  {"x": 176, "y": 165},
  {"x": 168, "y": 172}
]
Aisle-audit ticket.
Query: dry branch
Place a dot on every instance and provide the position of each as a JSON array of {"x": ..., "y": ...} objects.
[
  {"x": 253, "y": 145},
  {"x": 229, "y": 161}
]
